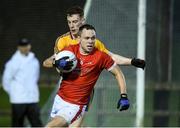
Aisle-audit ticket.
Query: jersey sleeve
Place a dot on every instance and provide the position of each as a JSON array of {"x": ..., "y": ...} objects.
[
  {"x": 100, "y": 46},
  {"x": 107, "y": 62},
  {"x": 8, "y": 74},
  {"x": 59, "y": 44}
]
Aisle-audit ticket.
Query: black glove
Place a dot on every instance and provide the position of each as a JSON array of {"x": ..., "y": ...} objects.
[
  {"x": 63, "y": 63},
  {"x": 138, "y": 63},
  {"x": 123, "y": 103}
]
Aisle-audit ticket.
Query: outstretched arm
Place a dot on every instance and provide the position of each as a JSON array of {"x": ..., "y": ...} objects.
[{"x": 120, "y": 60}]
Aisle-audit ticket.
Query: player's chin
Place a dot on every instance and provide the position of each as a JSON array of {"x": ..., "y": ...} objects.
[
  {"x": 74, "y": 32},
  {"x": 89, "y": 49}
]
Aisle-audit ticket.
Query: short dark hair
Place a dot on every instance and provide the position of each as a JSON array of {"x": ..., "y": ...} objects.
[
  {"x": 75, "y": 10},
  {"x": 86, "y": 26}
]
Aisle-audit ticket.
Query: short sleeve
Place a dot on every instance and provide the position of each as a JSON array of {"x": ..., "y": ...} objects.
[{"x": 107, "y": 62}]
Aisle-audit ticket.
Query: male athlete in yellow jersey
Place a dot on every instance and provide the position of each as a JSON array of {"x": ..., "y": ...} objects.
[
  {"x": 68, "y": 39},
  {"x": 75, "y": 19}
]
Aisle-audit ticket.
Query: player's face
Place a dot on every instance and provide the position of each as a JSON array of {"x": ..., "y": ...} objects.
[
  {"x": 25, "y": 49},
  {"x": 87, "y": 39},
  {"x": 74, "y": 22}
]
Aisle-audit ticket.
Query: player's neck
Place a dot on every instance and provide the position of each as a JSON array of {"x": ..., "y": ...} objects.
[
  {"x": 82, "y": 51},
  {"x": 74, "y": 36}
]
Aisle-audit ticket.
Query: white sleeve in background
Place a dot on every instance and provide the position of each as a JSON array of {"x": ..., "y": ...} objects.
[
  {"x": 37, "y": 70},
  {"x": 8, "y": 76}
]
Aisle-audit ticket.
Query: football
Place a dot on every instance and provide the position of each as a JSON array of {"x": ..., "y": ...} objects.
[{"x": 71, "y": 56}]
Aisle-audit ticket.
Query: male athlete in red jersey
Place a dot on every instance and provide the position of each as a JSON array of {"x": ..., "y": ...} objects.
[{"x": 76, "y": 87}]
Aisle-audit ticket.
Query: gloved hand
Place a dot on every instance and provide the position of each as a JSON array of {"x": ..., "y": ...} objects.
[
  {"x": 123, "y": 103},
  {"x": 63, "y": 63},
  {"x": 138, "y": 63}
]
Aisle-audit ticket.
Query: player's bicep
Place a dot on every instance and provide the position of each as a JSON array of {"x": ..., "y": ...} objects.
[
  {"x": 114, "y": 70},
  {"x": 120, "y": 59}
]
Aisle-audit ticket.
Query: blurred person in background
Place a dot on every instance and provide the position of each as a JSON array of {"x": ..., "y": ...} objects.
[{"x": 20, "y": 81}]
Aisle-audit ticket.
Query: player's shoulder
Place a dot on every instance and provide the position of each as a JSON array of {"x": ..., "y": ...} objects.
[
  {"x": 98, "y": 41},
  {"x": 65, "y": 35},
  {"x": 61, "y": 38},
  {"x": 72, "y": 47},
  {"x": 75, "y": 46},
  {"x": 97, "y": 51}
]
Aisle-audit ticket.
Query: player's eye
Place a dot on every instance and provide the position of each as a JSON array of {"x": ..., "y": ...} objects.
[
  {"x": 69, "y": 22},
  {"x": 75, "y": 21},
  {"x": 87, "y": 38},
  {"x": 93, "y": 38}
]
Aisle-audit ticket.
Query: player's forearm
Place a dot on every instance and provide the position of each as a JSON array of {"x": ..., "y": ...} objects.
[
  {"x": 121, "y": 82},
  {"x": 48, "y": 63},
  {"x": 120, "y": 79},
  {"x": 120, "y": 60}
]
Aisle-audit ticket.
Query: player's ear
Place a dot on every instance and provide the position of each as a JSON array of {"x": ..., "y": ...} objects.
[{"x": 83, "y": 20}]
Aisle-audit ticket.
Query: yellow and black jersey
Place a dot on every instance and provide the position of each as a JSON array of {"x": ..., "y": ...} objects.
[{"x": 66, "y": 40}]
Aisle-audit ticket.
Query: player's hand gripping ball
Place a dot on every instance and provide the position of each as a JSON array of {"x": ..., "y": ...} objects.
[{"x": 65, "y": 61}]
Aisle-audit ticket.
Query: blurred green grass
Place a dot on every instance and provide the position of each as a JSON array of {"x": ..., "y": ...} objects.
[
  {"x": 5, "y": 107},
  {"x": 91, "y": 119}
]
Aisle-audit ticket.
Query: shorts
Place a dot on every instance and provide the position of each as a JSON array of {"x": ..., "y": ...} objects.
[{"x": 70, "y": 112}]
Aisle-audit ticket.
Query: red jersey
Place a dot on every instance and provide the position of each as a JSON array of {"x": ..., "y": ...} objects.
[{"x": 77, "y": 85}]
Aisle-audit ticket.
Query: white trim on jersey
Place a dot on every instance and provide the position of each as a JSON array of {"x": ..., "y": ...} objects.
[{"x": 109, "y": 69}]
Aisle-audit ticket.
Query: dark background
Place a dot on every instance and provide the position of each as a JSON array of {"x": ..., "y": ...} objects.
[{"x": 42, "y": 21}]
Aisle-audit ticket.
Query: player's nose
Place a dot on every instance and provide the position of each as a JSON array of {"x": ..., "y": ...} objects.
[
  {"x": 90, "y": 42},
  {"x": 71, "y": 25}
]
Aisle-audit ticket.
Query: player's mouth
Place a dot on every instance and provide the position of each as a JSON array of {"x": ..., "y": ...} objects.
[
  {"x": 90, "y": 47},
  {"x": 73, "y": 30}
]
